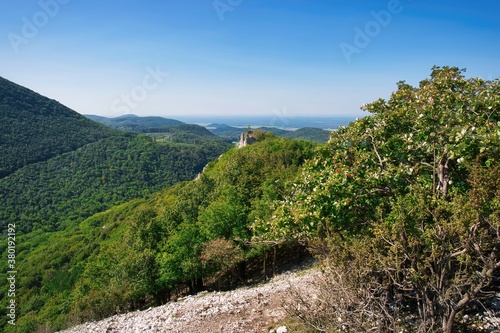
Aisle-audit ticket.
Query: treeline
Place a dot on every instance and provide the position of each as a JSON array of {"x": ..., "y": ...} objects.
[
  {"x": 309, "y": 133},
  {"x": 149, "y": 249},
  {"x": 136, "y": 124},
  {"x": 34, "y": 128},
  {"x": 73, "y": 186},
  {"x": 186, "y": 133},
  {"x": 316, "y": 135}
]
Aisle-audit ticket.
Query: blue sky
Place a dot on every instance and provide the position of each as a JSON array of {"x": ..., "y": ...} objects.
[{"x": 230, "y": 57}]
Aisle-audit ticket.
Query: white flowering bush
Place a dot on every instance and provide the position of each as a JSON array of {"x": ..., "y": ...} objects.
[{"x": 416, "y": 182}]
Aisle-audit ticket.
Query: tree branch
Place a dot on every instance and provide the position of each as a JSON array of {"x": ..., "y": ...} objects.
[{"x": 376, "y": 152}]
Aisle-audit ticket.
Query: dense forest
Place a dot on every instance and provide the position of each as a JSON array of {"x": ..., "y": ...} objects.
[
  {"x": 34, "y": 128},
  {"x": 401, "y": 207},
  {"x": 59, "y": 167},
  {"x": 133, "y": 123},
  {"x": 146, "y": 250},
  {"x": 76, "y": 185}
]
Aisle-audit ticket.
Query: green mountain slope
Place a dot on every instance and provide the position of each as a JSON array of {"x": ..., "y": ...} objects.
[
  {"x": 59, "y": 167},
  {"x": 187, "y": 133},
  {"x": 317, "y": 135},
  {"x": 309, "y": 133},
  {"x": 133, "y": 123},
  {"x": 34, "y": 128},
  {"x": 78, "y": 184},
  {"x": 144, "y": 250}
]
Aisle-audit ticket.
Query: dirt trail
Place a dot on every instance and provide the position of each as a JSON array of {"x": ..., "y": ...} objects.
[{"x": 249, "y": 309}]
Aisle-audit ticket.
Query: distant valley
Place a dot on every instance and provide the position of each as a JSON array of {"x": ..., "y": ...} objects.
[{"x": 229, "y": 133}]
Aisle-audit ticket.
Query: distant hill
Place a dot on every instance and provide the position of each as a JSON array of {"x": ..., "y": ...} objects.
[
  {"x": 58, "y": 167},
  {"x": 72, "y": 186},
  {"x": 164, "y": 127},
  {"x": 34, "y": 128},
  {"x": 225, "y": 131},
  {"x": 136, "y": 124},
  {"x": 307, "y": 133},
  {"x": 186, "y": 133},
  {"x": 233, "y": 133}
]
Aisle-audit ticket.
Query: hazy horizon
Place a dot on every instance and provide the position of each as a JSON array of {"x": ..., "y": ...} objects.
[
  {"x": 221, "y": 57},
  {"x": 287, "y": 122}
]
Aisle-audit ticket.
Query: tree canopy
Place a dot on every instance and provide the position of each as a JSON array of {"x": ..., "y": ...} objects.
[
  {"x": 144, "y": 250},
  {"x": 415, "y": 185},
  {"x": 34, "y": 128}
]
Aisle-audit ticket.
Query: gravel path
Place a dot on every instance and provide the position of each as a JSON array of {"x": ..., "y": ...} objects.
[{"x": 249, "y": 309}]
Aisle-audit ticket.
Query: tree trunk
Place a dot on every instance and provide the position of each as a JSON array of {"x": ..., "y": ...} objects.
[
  {"x": 199, "y": 284},
  {"x": 191, "y": 287},
  {"x": 242, "y": 271},
  {"x": 242, "y": 267},
  {"x": 444, "y": 177},
  {"x": 265, "y": 271},
  {"x": 162, "y": 297},
  {"x": 448, "y": 322},
  {"x": 274, "y": 260}
]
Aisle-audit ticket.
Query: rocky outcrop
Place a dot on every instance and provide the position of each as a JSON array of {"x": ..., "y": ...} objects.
[{"x": 246, "y": 139}]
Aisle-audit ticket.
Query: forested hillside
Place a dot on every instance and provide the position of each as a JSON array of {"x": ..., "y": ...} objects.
[
  {"x": 59, "y": 168},
  {"x": 317, "y": 135},
  {"x": 34, "y": 128},
  {"x": 309, "y": 133},
  {"x": 133, "y": 123},
  {"x": 70, "y": 187},
  {"x": 188, "y": 133},
  {"x": 144, "y": 251}
]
